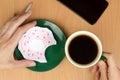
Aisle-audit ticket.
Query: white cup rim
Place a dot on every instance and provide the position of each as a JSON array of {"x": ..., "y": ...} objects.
[{"x": 93, "y": 36}]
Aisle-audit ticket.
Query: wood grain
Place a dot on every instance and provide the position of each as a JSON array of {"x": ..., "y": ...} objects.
[{"x": 107, "y": 29}]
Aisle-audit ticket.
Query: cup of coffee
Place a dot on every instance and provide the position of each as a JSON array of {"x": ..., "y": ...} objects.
[{"x": 83, "y": 49}]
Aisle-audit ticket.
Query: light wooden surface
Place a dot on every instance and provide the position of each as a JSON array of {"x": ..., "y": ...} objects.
[{"x": 107, "y": 29}]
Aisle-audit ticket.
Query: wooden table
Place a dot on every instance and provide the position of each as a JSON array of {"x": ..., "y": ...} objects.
[{"x": 107, "y": 29}]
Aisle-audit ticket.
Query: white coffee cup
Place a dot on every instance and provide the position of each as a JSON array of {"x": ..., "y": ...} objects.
[{"x": 91, "y": 35}]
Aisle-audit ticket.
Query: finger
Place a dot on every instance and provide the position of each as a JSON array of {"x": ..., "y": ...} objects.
[
  {"x": 103, "y": 70},
  {"x": 6, "y": 26},
  {"x": 18, "y": 20},
  {"x": 97, "y": 75},
  {"x": 20, "y": 31},
  {"x": 28, "y": 7},
  {"x": 15, "y": 17},
  {"x": 26, "y": 10},
  {"x": 23, "y": 63},
  {"x": 95, "y": 68},
  {"x": 22, "y": 18},
  {"x": 2, "y": 30}
]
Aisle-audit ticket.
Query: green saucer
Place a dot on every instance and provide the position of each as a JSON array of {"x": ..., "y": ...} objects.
[{"x": 54, "y": 54}]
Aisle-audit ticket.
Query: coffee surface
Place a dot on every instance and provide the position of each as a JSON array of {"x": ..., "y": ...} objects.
[{"x": 83, "y": 49}]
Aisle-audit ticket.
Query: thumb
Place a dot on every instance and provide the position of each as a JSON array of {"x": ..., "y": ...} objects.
[
  {"x": 103, "y": 70},
  {"x": 24, "y": 63}
]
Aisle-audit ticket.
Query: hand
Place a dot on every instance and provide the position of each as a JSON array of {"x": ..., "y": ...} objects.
[
  {"x": 108, "y": 70},
  {"x": 10, "y": 35}
]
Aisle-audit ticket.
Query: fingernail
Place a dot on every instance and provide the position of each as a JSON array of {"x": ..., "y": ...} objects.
[
  {"x": 28, "y": 12},
  {"x": 28, "y": 7}
]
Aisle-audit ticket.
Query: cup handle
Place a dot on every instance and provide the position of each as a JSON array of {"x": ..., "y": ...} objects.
[{"x": 103, "y": 58}]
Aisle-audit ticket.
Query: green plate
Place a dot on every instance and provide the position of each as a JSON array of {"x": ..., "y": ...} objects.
[{"x": 54, "y": 54}]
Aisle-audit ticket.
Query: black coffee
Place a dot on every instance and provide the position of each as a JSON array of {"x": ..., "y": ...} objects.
[{"x": 83, "y": 49}]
